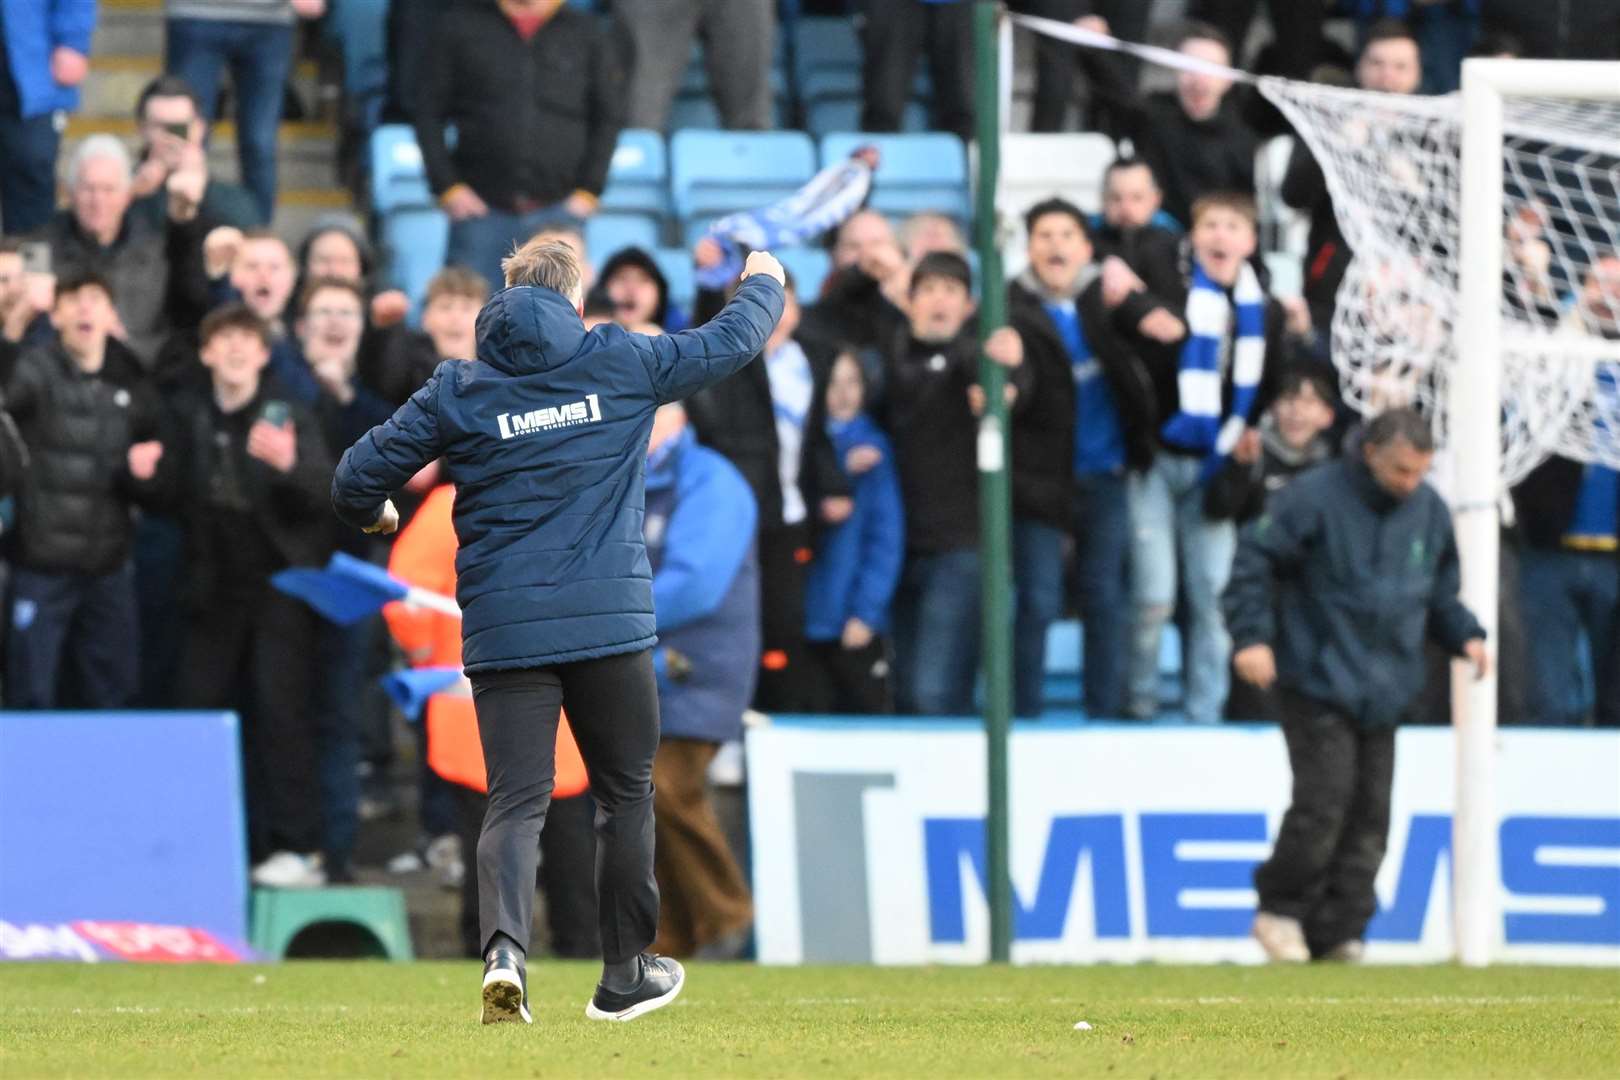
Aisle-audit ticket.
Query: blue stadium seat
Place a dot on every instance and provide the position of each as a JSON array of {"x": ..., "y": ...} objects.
[
  {"x": 397, "y": 175},
  {"x": 607, "y": 232},
  {"x": 638, "y": 180},
  {"x": 844, "y": 114},
  {"x": 715, "y": 172},
  {"x": 414, "y": 241},
  {"x": 809, "y": 267},
  {"x": 918, "y": 172},
  {"x": 676, "y": 263}
]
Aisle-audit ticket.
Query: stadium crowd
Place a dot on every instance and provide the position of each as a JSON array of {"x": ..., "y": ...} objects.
[{"x": 179, "y": 379}]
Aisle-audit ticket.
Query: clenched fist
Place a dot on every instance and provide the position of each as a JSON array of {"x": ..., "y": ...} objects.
[
  {"x": 763, "y": 262},
  {"x": 387, "y": 520}
]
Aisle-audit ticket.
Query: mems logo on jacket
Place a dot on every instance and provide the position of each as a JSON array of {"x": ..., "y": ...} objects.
[{"x": 588, "y": 411}]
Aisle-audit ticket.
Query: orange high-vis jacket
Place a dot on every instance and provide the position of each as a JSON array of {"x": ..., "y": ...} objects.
[{"x": 425, "y": 555}]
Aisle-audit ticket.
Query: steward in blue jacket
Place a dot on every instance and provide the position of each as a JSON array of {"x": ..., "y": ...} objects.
[
  {"x": 545, "y": 436},
  {"x": 701, "y": 520}
]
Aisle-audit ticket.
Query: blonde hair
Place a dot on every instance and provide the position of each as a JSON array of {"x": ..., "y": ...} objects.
[{"x": 550, "y": 264}]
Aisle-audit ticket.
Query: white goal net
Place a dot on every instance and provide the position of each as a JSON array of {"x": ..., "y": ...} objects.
[{"x": 1392, "y": 164}]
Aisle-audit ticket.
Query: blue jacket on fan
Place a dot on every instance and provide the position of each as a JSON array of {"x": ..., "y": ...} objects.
[
  {"x": 33, "y": 30},
  {"x": 700, "y": 526},
  {"x": 545, "y": 437},
  {"x": 857, "y": 564}
]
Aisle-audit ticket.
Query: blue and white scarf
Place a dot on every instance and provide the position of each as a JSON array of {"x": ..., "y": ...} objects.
[
  {"x": 831, "y": 196},
  {"x": 1198, "y": 425}
]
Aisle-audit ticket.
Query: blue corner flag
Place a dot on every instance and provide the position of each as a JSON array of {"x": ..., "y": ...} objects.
[
  {"x": 410, "y": 689},
  {"x": 346, "y": 591}
]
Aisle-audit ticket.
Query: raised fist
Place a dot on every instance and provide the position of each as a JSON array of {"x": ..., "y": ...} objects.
[{"x": 763, "y": 262}]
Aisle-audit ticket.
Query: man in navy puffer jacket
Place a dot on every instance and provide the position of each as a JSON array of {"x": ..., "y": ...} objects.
[{"x": 545, "y": 437}]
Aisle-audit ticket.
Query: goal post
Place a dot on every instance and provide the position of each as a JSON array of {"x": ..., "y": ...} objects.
[{"x": 1476, "y": 440}]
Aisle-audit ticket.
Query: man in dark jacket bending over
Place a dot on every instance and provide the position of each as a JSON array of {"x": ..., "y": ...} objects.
[
  {"x": 545, "y": 437},
  {"x": 1346, "y": 572}
]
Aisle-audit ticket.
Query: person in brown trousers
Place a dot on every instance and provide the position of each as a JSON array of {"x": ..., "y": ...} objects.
[{"x": 700, "y": 525}]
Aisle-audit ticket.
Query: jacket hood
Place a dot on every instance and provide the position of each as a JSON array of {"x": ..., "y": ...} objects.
[
  {"x": 1037, "y": 291},
  {"x": 528, "y": 329},
  {"x": 1317, "y": 450}
]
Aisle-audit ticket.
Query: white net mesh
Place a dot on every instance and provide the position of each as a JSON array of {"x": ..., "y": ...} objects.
[{"x": 1391, "y": 164}]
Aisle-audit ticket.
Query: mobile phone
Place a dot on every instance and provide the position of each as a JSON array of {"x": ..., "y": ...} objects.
[
  {"x": 36, "y": 257},
  {"x": 276, "y": 413}
]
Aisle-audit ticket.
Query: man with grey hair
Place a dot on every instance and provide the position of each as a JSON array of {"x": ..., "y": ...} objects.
[
  {"x": 545, "y": 435},
  {"x": 156, "y": 274},
  {"x": 1334, "y": 591}
]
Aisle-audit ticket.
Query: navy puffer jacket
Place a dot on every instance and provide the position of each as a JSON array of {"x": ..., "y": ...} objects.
[{"x": 545, "y": 437}]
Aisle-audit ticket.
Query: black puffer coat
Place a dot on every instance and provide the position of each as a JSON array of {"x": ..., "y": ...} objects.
[{"x": 75, "y": 506}]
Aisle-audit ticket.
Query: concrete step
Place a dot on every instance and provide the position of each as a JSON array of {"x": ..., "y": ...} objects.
[
  {"x": 116, "y": 82},
  {"x": 128, "y": 28},
  {"x": 308, "y": 153}
]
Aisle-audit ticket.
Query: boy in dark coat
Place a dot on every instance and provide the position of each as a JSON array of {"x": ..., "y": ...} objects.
[
  {"x": 251, "y": 470},
  {"x": 92, "y": 431},
  {"x": 931, "y": 370}
]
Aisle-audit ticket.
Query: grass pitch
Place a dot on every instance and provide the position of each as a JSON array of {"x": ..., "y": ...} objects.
[{"x": 307, "y": 1019}]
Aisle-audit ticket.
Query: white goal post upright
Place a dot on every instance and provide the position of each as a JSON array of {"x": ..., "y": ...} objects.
[
  {"x": 1475, "y": 439},
  {"x": 1476, "y": 452}
]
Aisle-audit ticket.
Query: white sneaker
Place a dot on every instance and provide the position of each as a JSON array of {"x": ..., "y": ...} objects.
[
  {"x": 1282, "y": 938},
  {"x": 289, "y": 870},
  {"x": 443, "y": 856}
]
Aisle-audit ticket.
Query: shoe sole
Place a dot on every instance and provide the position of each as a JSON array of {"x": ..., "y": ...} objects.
[
  {"x": 640, "y": 1008},
  {"x": 503, "y": 1000}
]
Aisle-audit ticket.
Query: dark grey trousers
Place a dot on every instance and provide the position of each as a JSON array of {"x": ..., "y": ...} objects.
[
  {"x": 738, "y": 37},
  {"x": 1333, "y": 836},
  {"x": 612, "y": 706}
]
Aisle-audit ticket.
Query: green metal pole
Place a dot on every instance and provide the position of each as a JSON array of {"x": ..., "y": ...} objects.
[{"x": 995, "y": 493}]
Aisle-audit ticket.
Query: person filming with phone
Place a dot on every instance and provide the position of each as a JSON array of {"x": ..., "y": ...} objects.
[
  {"x": 250, "y": 474},
  {"x": 173, "y": 162}
]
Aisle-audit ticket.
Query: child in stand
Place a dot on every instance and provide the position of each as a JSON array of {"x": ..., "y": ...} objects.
[{"x": 858, "y": 555}]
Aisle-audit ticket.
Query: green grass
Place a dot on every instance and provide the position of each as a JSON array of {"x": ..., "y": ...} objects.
[{"x": 310, "y": 1019}]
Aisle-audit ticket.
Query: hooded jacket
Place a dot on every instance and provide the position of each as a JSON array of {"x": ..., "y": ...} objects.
[
  {"x": 545, "y": 437},
  {"x": 857, "y": 564},
  {"x": 1344, "y": 582},
  {"x": 700, "y": 538}
]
